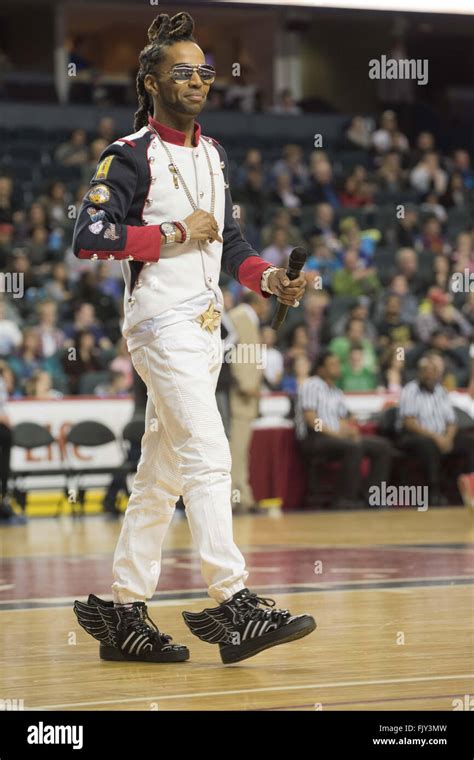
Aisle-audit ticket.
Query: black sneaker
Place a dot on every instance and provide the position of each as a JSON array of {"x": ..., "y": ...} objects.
[
  {"x": 124, "y": 633},
  {"x": 243, "y": 628}
]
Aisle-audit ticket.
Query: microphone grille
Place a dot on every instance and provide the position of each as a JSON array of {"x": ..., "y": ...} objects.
[{"x": 298, "y": 255}]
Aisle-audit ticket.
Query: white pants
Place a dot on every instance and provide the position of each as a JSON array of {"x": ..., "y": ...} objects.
[{"x": 184, "y": 452}]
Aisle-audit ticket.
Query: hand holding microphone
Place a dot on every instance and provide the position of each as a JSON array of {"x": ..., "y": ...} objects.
[{"x": 288, "y": 286}]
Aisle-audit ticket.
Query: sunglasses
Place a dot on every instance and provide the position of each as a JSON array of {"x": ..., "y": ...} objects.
[{"x": 183, "y": 72}]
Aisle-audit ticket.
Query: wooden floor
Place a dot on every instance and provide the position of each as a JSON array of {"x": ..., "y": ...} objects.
[{"x": 392, "y": 596}]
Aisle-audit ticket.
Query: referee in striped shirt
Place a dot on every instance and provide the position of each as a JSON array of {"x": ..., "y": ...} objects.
[
  {"x": 427, "y": 424},
  {"x": 326, "y": 430}
]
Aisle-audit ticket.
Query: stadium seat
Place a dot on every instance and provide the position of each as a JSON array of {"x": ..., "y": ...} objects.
[
  {"x": 340, "y": 305},
  {"x": 460, "y": 217},
  {"x": 63, "y": 173},
  {"x": 91, "y": 380},
  {"x": 384, "y": 261},
  {"x": 350, "y": 158},
  {"x": 25, "y": 151},
  {"x": 385, "y": 217},
  {"x": 30, "y": 436},
  {"x": 359, "y": 214},
  {"x": 425, "y": 263},
  {"x": 89, "y": 433},
  {"x": 24, "y": 172}
]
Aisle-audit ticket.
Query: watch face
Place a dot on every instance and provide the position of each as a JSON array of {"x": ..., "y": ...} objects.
[{"x": 167, "y": 228}]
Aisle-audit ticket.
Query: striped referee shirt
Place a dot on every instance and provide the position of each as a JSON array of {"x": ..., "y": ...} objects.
[
  {"x": 433, "y": 411},
  {"x": 326, "y": 401}
]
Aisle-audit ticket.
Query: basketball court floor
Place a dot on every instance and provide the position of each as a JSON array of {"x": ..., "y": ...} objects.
[{"x": 391, "y": 591}]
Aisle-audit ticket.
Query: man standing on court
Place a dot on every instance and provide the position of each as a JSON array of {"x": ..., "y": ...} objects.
[
  {"x": 160, "y": 202},
  {"x": 247, "y": 376}
]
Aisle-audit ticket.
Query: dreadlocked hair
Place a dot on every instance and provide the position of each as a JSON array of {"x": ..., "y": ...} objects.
[{"x": 163, "y": 32}]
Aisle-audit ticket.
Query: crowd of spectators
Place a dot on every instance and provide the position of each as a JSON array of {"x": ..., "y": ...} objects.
[{"x": 386, "y": 221}]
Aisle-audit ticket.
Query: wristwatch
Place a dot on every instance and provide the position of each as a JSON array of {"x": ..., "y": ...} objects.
[
  {"x": 169, "y": 231},
  {"x": 264, "y": 281}
]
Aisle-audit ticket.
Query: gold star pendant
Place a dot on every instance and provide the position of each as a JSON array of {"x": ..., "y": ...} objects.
[{"x": 210, "y": 318}]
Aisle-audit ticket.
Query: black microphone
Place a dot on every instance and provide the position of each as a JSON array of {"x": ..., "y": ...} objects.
[{"x": 295, "y": 265}]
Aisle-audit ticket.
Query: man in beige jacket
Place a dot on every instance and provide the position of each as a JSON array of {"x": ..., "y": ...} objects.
[{"x": 247, "y": 367}]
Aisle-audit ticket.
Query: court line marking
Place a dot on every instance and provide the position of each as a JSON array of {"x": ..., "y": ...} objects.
[
  {"x": 261, "y": 689},
  {"x": 190, "y": 596},
  {"x": 377, "y": 701},
  {"x": 267, "y": 549}
]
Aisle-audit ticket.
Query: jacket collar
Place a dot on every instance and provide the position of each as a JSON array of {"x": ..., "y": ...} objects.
[{"x": 168, "y": 134}]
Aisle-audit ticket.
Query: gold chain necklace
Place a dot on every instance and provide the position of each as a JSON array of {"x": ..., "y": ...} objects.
[{"x": 176, "y": 173}]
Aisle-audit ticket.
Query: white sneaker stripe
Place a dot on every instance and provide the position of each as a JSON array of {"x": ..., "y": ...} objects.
[
  {"x": 128, "y": 639},
  {"x": 255, "y": 629},
  {"x": 247, "y": 630},
  {"x": 141, "y": 636},
  {"x": 141, "y": 644}
]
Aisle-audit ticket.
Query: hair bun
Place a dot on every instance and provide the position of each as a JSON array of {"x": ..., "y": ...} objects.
[
  {"x": 180, "y": 25},
  {"x": 159, "y": 27}
]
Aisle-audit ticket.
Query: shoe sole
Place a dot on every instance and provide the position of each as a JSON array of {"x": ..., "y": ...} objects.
[
  {"x": 112, "y": 654},
  {"x": 291, "y": 632}
]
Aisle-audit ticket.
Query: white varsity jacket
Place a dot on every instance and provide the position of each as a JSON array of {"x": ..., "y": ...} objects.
[{"x": 132, "y": 192}]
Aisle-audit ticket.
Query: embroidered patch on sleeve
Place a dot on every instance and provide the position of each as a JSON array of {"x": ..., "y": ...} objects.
[
  {"x": 103, "y": 168},
  {"x": 110, "y": 232},
  {"x": 95, "y": 213},
  {"x": 96, "y": 227},
  {"x": 99, "y": 194}
]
